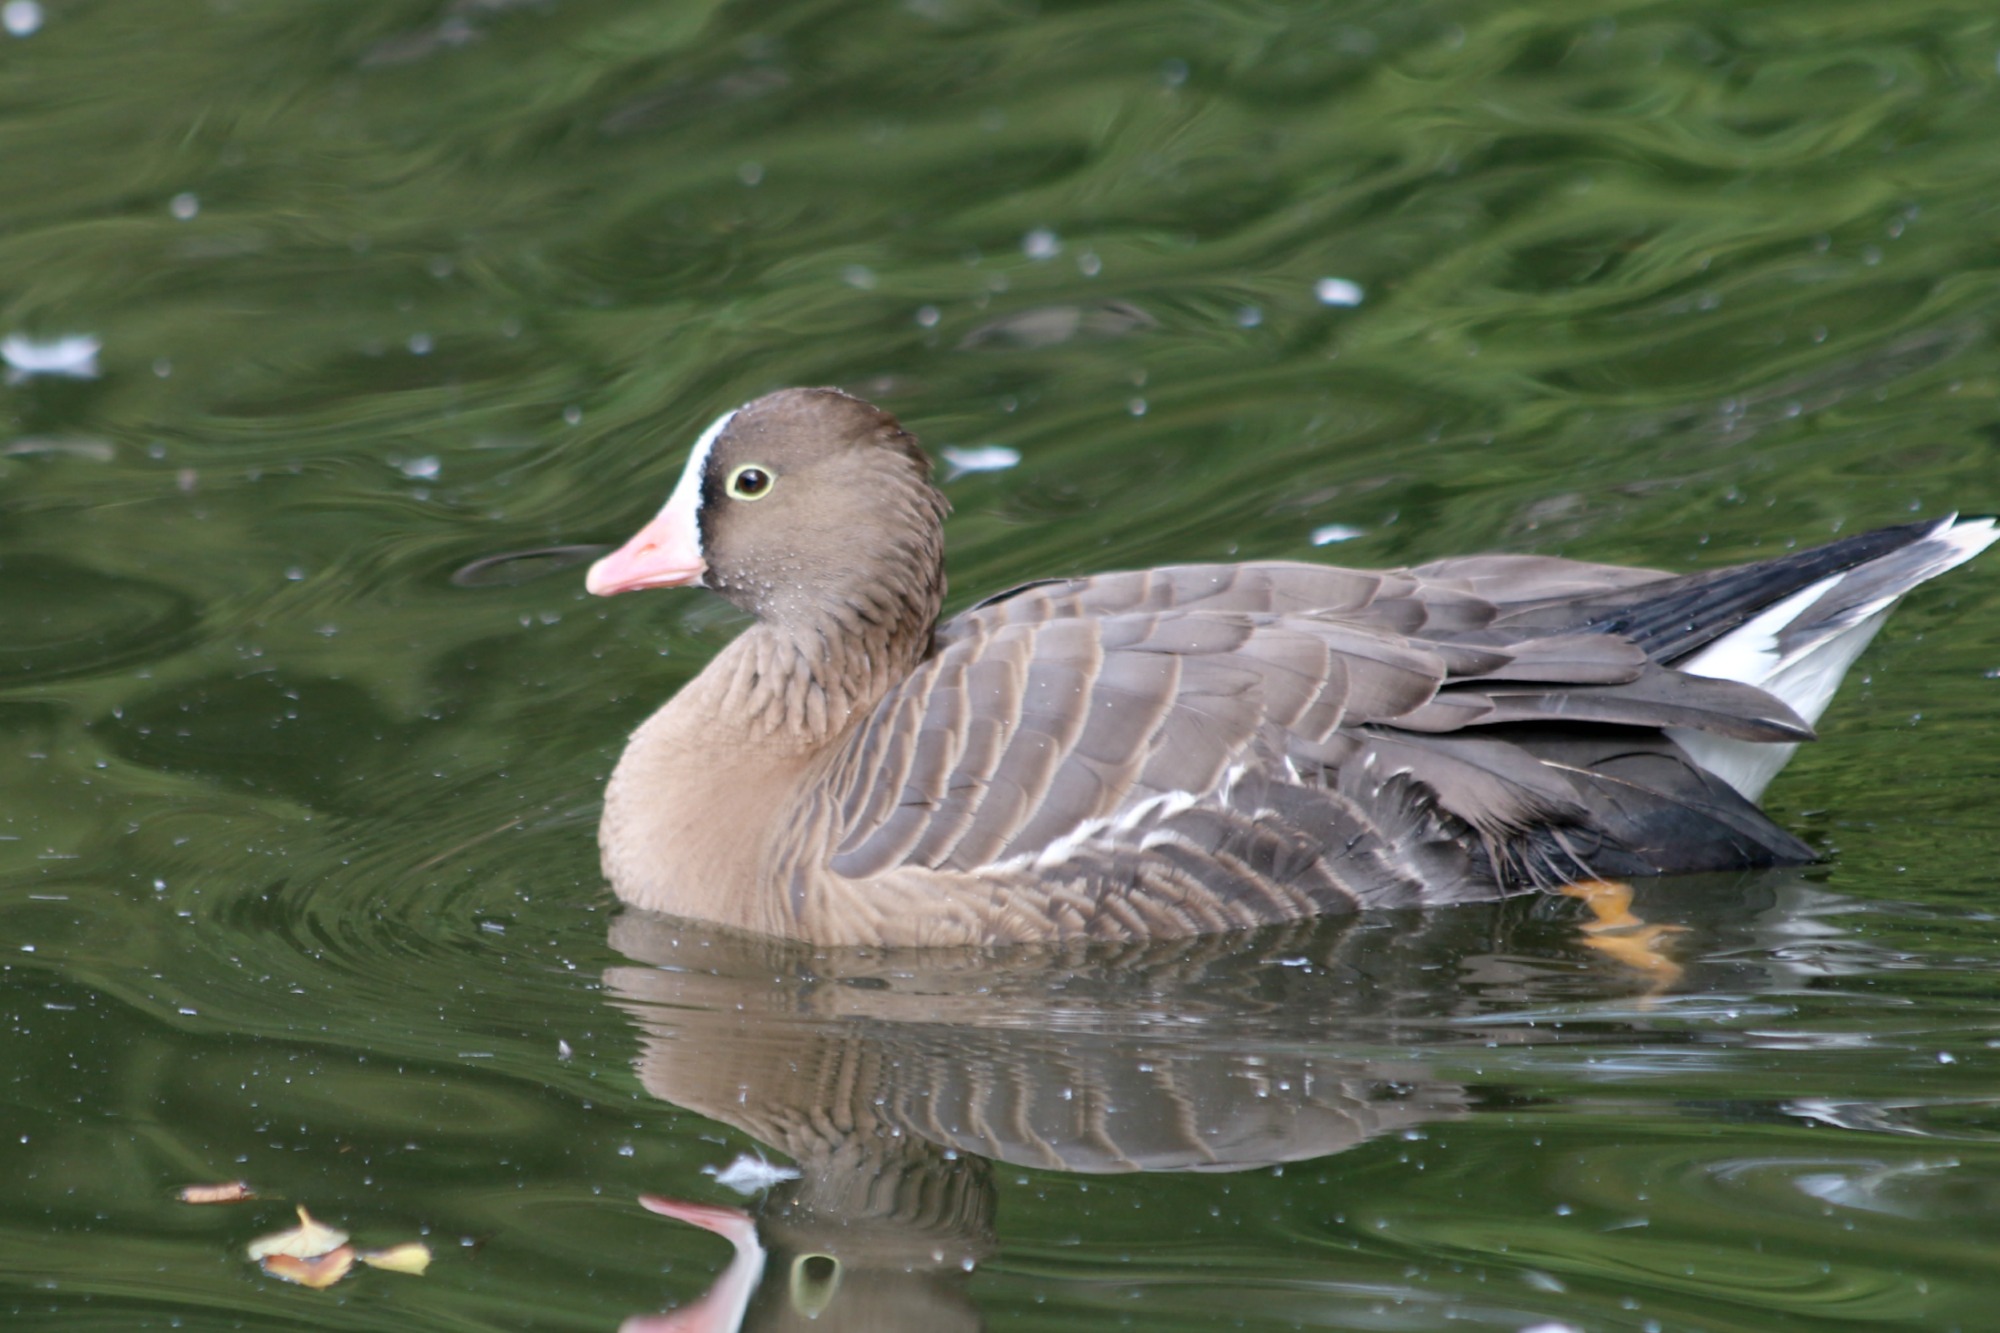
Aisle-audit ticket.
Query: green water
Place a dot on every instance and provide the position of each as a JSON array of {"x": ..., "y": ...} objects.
[{"x": 298, "y": 781}]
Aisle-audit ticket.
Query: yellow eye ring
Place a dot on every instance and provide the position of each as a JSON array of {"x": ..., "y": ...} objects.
[{"x": 752, "y": 481}]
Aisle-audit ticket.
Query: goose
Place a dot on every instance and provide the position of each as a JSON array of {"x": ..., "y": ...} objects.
[{"x": 1195, "y": 748}]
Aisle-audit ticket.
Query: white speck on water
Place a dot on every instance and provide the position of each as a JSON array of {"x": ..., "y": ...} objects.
[
  {"x": 1041, "y": 243},
  {"x": 1249, "y": 317},
  {"x": 163, "y": 366},
  {"x": 627, "y": 1150},
  {"x": 573, "y": 415},
  {"x": 420, "y": 344},
  {"x": 1137, "y": 407},
  {"x": 1947, "y": 1058},
  {"x": 73, "y": 357},
  {"x": 421, "y": 469},
  {"x": 750, "y": 1174},
  {"x": 751, "y": 173},
  {"x": 563, "y": 1051},
  {"x": 1089, "y": 264},
  {"x": 928, "y": 316},
  {"x": 185, "y": 205},
  {"x": 95, "y": 451},
  {"x": 978, "y": 458},
  {"x": 1328, "y": 534},
  {"x": 1338, "y": 291},
  {"x": 859, "y": 276},
  {"x": 21, "y": 18},
  {"x": 1173, "y": 73},
  {"x": 1551, "y": 1325}
]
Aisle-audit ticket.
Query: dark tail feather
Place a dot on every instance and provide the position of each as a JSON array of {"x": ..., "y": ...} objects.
[{"x": 1674, "y": 618}]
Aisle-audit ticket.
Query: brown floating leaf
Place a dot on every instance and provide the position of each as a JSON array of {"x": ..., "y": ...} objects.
[
  {"x": 234, "y": 1191},
  {"x": 321, "y": 1270},
  {"x": 411, "y": 1257},
  {"x": 308, "y": 1240}
]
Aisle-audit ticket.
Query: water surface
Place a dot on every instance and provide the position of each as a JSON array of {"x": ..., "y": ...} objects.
[{"x": 375, "y": 313}]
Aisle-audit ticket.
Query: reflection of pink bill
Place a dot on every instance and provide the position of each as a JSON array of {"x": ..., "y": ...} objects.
[{"x": 722, "y": 1308}]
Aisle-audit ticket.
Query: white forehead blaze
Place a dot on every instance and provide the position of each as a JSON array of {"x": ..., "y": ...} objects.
[{"x": 683, "y": 508}]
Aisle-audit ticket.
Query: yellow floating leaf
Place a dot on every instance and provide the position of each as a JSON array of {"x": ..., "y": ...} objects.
[
  {"x": 411, "y": 1257},
  {"x": 320, "y": 1270},
  {"x": 234, "y": 1191},
  {"x": 308, "y": 1240}
]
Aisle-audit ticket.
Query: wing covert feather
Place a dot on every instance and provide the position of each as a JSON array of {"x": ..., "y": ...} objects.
[{"x": 1052, "y": 721}]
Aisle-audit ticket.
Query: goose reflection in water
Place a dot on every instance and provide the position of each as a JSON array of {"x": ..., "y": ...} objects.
[{"x": 895, "y": 1079}]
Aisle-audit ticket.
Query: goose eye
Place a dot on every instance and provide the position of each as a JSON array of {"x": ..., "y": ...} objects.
[{"x": 749, "y": 482}]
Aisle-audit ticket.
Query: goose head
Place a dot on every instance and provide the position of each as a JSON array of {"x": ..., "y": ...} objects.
[{"x": 801, "y": 504}]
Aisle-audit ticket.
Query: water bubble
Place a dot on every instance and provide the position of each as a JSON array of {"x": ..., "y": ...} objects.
[
  {"x": 1173, "y": 73},
  {"x": 21, "y": 18},
  {"x": 573, "y": 415},
  {"x": 928, "y": 316},
  {"x": 1330, "y": 533},
  {"x": 420, "y": 344},
  {"x": 1338, "y": 292},
  {"x": 1137, "y": 407},
  {"x": 859, "y": 276},
  {"x": 163, "y": 366},
  {"x": 185, "y": 205},
  {"x": 1249, "y": 317},
  {"x": 751, "y": 173},
  {"x": 1041, "y": 243},
  {"x": 1089, "y": 264}
]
